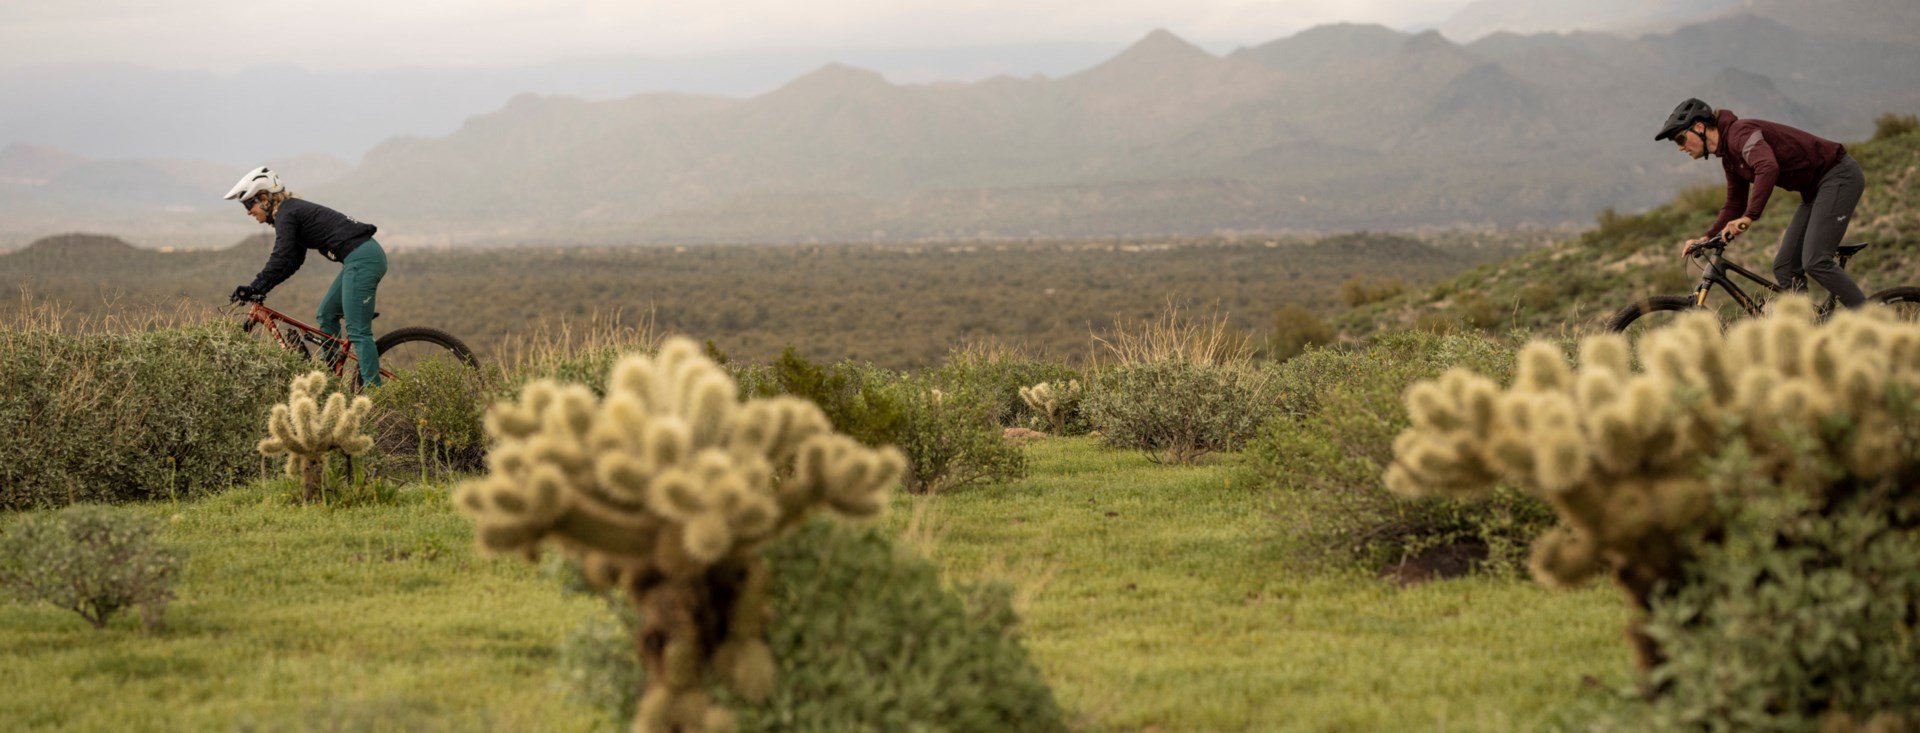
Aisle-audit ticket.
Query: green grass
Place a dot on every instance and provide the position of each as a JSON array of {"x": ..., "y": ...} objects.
[
  {"x": 1154, "y": 598},
  {"x": 1158, "y": 598},
  {"x": 306, "y": 618}
]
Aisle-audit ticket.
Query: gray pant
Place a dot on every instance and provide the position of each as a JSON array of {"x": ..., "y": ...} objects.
[{"x": 1808, "y": 246}]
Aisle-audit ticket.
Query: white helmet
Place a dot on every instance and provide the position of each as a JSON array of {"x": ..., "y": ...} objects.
[{"x": 255, "y": 182}]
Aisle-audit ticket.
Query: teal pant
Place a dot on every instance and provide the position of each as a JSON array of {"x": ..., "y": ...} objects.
[{"x": 352, "y": 297}]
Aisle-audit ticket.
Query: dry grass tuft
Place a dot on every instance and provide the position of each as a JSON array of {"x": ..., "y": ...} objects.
[
  {"x": 552, "y": 340},
  {"x": 1175, "y": 335}
]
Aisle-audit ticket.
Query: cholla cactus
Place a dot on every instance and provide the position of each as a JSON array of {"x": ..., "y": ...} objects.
[
  {"x": 668, "y": 488},
  {"x": 306, "y": 432},
  {"x": 1618, "y": 453},
  {"x": 1052, "y": 400}
]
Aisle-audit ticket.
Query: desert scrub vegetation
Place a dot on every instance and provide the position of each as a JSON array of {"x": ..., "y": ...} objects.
[
  {"x": 1342, "y": 409},
  {"x": 867, "y": 636},
  {"x": 668, "y": 489},
  {"x": 92, "y": 560},
  {"x": 1178, "y": 387},
  {"x": 950, "y": 438},
  {"x": 1056, "y": 406},
  {"x": 113, "y": 416},
  {"x": 430, "y": 423},
  {"x": 1295, "y": 329},
  {"x": 1000, "y": 372},
  {"x": 1739, "y": 486},
  {"x": 948, "y": 430}
]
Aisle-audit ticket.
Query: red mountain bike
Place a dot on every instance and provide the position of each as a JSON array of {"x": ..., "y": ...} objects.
[{"x": 401, "y": 350}]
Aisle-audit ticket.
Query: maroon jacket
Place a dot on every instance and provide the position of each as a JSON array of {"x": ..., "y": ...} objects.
[{"x": 1759, "y": 155}]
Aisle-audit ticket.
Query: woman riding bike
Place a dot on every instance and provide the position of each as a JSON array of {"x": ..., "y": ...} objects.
[
  {"x": 1759, "y": 156},
  {"x": 300, "y": 225}
]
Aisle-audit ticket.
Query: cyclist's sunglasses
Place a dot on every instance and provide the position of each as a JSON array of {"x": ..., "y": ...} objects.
[{"x": 247, "y": 203}]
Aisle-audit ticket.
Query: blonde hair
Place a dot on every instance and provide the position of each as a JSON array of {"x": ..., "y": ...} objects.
[{"x": 272, "y": 201}]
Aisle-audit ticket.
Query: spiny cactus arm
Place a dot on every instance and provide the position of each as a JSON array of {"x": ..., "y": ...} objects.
[
  {"x": 1564, "y": 558},
  {"x": 513, "y": 515},
  {"x": 775, "y": 428},
  {"x": 848, "y": 477},
  {"x": 1541, "y": 367}
]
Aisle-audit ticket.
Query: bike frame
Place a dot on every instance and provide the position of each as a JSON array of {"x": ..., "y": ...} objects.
[
  {"x": 1718, "y": 269},
  {"x": 258, "y": 314}
]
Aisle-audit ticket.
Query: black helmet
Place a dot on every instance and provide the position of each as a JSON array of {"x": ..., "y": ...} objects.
[{"x": 1683, "y": 117}]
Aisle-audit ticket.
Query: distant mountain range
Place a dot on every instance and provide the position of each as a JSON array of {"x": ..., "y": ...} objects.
[{"x": 1336, "y": 127}]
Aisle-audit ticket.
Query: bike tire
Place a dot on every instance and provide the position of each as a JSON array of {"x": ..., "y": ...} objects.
[
  {"x": 1902, "y": 294},
  {"x": 1625, "y": 317},
  {"x": 421, "y": 334}
]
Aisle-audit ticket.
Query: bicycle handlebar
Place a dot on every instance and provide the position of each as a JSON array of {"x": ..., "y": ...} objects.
[{"x": 1717, "y": 241}]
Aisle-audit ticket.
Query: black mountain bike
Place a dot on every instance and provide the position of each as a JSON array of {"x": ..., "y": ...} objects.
[{"x": 1719, "y": 270}]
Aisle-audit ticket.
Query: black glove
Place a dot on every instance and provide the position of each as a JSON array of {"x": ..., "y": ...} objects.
[{"x": 246, "y": 293}]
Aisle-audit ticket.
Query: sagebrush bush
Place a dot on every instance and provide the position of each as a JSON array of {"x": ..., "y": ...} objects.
[
  {"x": 950, "y": 437},
  {"x": 93, "y": 560},
  {"x": 1830, "y": 412},
  {"x": 433, "y": 420},
  {"x": 667, "y": 489},
  {"x": 867, "y": 637},
  {"x": 112, "y": 417},
  {"x": 1342, "y": 411},
  {"x": 1177, "y": 410}
]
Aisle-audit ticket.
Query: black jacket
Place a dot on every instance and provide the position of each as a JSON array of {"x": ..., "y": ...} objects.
[{"x": 301, "y": 225}]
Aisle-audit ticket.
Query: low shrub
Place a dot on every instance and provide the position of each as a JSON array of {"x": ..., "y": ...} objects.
[
  {"x": 951, "y": 438},
  {"x": 92, "y": 560},
  {"x": 867, "y": 637},
  {"x": 431, "y": 422},
  {"x": 948, "y": 430},
  {"x": 1295, "y": 329},
  {"x": 112, "y": 417},
  {"x": 1894, "y": 124},
  {"x": 1178, "y": 410},
  {"x": 1342, "y": 411},
  {"x": 1361, "y": 290},
  {"x": 856, "y": 397},
  {"x": 999, "y": 377}
]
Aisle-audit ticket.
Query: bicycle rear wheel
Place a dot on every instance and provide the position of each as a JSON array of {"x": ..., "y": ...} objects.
[{"x": 407, "y": 349}]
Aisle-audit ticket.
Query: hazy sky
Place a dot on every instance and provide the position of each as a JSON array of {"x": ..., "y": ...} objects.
[{"x": 360, "y": 34}]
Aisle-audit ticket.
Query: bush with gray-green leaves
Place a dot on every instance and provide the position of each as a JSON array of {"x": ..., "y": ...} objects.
[
  {"x": 1178, "y": 410},
  {"x": 92, "y": 560},
  {"x": 866, "y": 637},
  {"x": 112, "y": 417}
]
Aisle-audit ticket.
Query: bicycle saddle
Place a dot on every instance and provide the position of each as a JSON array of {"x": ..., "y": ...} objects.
[{"x": 1851, "y": 249}]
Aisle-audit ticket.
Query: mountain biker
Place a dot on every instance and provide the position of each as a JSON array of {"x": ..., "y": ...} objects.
[
  {"x": 300, "y": 225},
  {"x": 1759, "y": 156}
]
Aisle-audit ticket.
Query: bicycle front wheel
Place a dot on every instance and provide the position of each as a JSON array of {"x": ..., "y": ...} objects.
[
  {"x": 1904, "y": 300},
  {"x": 1649, "y": 314}
]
